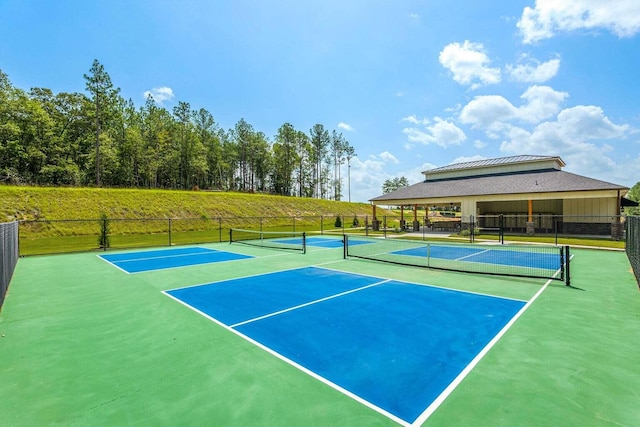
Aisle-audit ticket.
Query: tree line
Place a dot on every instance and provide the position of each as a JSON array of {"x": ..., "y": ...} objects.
[{"x": 99, "y": 138}]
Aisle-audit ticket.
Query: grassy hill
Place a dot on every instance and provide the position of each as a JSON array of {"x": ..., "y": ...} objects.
[
  {"x": 39, "y": 203},
  {"x": 68, "y": 219}
]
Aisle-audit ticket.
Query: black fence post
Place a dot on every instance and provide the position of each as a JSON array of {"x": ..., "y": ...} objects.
[
  {"x": 169, "y": 231},
  {"x": 567, "y": 261},
  {"x": 384, "y": 226}
]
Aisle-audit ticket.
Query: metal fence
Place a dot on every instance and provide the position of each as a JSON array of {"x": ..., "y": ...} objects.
[
  {"x": 633, "y": 244},
  {"x": 39, "y": 237},
  {"x": 8, "y": 255}
]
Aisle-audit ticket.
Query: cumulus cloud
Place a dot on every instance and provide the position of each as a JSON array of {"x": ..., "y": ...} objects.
[
  {"x": 415, "y": 120},
  {"x": 533, "y": 71},
  {"x": 469, "y": 64},
  {"x": 548, "y": 17},
  {"x": 159, "y": 94},
  {"x": 441, "y": 132},
  {"x": 345, "y": 126},
  {"x": 493, "y": 112},
  {"x": 388, "y": 157},
  {"x": 578, "y": 135}
]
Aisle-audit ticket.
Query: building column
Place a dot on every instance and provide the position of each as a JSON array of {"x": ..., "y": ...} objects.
[
  {"x": 531, "y": 226},
  {"x": 416, "y": 223},
  {"x": 402, "y": 217}
]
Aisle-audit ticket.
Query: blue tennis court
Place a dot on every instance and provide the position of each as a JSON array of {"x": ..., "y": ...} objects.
[
  {"x": 136, "y": 262},
  {"x": 547, "y": 261},
  {"x": 395, "y": 345}
]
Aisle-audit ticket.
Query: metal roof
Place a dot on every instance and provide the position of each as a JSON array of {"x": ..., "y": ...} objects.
[
  {"x": 549, "y": 181},
  {"x": 493, "y": 162}
]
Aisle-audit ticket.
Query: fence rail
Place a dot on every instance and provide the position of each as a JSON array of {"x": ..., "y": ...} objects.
[
  {"x": 38, "y": 237},
  {"x": 8, "y": 255},
  {"x": 633, "y": 244}
]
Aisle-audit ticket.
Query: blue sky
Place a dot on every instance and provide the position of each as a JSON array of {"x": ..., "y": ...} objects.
[{"x": 411, "y": 84}]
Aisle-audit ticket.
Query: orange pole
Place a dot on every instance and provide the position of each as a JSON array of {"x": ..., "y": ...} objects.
[
  {"x": 530, "y": 210},
  {"x": 401, "y": 213},
  {"x": 415, "y": 213}
]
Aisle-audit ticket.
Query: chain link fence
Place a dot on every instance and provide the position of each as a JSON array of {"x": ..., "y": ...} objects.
[
  {"x": 8, "y": 255},
  {"x": 39, "y": 237}
]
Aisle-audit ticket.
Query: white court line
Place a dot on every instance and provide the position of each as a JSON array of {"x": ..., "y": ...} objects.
[
  {"x": 309, "y": 303},
  {"x": 474, "y": 254},
  {"x": 295, "y": 364},
  {"x": 461, "y": 376},
  {"x": 205, "y": 251}
]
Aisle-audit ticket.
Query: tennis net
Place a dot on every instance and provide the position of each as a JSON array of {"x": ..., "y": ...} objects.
[
  {"x": 548, "y": 262},
  {"x": 290, "y": 240}
]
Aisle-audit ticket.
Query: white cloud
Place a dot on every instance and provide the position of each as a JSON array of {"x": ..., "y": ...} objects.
[
  {"x": 463, "y": 159},
  {"x": 345, "y": 126},
  {"x": 160, "y": 94},
  {"x": 485, "y": 111},
  {"x": 548, "y": 17},
  {"x": 469, "y": 64},
  {"x": 441, "y": 132},
  {"x": 534, "y": 71},
  {"x": 494, "y": 112},
  {"x": 388, "y": 157},
  {"x": 479, "y": 144},
  {"x": 541, "y": 103},
  {"x": 577, "y": 135},
  {"x": 416, "y": 121}
]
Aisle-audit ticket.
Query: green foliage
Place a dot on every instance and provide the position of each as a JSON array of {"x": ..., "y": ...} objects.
[
  {"x": 356, "y": 222},
  {"x": 102, "y": 139},
  {"x": 394, "y": 184},
  {"x": 103, "y": 239},
  {"x": 338, "y": 223},
  {"x": 633, "y": 194}
]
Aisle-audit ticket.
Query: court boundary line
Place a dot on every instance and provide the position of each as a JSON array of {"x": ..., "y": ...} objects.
[
  {"x": 434, "y": 405},
  {"x": 175, "y": 256},
  {"x": 207, "y": 250},
  {"x": 237, "y": 278},
  {"x": 422, "y": 418},
  {"x": 295, "y": 364}
]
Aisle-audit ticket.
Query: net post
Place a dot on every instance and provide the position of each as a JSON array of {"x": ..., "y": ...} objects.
[
  {"x": 501, "y": 231},
  {"x": 304, "y": 242},
  {"x": 230, "y": 235},
  {"x": 345, "y": 243},
  {"x": 567, "y": 273}
]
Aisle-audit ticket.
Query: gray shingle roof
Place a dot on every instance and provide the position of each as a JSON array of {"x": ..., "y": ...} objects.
[{"x": 533, "y": 182}]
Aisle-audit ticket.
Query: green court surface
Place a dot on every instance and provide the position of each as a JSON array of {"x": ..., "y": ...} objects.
[{"x": 82, "y": 343}]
